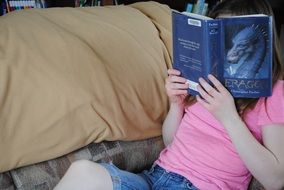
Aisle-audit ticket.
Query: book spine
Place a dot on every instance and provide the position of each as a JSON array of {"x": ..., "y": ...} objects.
[
  {"x": 214, "y": 58},
  {"x": 205, "y": 9},
  {"x": 189, "y": 7},
  {"x": 270, "y": 54}
]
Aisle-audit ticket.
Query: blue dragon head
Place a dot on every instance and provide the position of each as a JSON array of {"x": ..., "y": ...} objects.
[
  {"x": 244, "y": 43},
  {"x": 247, "y": 51}
]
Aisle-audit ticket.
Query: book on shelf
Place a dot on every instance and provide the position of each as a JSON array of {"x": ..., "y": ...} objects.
[
  {"x": 235, "y": 49},
  {"x": 198, "y": 6},
  {"x": 189, "y": 7}
]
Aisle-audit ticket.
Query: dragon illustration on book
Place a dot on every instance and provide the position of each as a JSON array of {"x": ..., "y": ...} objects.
[{"x": 248, "y": 51}]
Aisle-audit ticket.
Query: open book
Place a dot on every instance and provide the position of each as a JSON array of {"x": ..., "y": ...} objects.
[{"x": 235, "y": 49}]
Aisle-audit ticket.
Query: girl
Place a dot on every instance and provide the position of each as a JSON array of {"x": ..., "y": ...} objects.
[{"x": 213, "y": 141}]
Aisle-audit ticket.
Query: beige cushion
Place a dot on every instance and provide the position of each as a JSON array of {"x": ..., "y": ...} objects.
[{"x": 71, "y": 76}]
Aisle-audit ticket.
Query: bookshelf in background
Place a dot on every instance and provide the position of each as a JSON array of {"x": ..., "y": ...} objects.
[
  {"x": 82, "y": 3},
  {"x": 7, "y": 6}
]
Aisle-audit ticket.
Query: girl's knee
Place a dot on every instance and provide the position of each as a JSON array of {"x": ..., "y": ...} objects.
[
  {"x": 82, "y": 166},
  {"x": 82, "y": 163},
  {"x": 86, "y": 174}
]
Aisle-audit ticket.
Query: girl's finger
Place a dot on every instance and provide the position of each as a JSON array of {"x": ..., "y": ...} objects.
[
  {"x": 178, "y": 79},
  {"x": 208, "y": 88},
  {"x": 173, "y": 72},
  {"x": 218, "y": 85},
  {"x": 179, "y": 86},
  {"x": 179, "y": 92},
  {"x": 204, "y": 94},
  {"x": 176, "y": 86}
]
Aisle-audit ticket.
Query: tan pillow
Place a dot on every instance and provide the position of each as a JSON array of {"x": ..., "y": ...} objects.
[{"x": 70, "y": 76}]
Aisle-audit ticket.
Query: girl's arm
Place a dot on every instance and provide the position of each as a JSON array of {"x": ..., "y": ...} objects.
[
  {"x": 172, "y": 122},
  {"x": 176, "y": 88},
  {"x": 266, "y": 163}
]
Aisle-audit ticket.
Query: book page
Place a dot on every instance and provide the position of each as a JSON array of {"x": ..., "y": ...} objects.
[
  {"x": 240, "y": 16},
  {"x": 197, "y": 16}
]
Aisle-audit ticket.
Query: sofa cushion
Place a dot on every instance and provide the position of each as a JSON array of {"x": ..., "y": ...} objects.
[
  {"x": 72, "y": 76},
  {"x": 132, "y": 156},
  {"x": 6, "y": 181}
]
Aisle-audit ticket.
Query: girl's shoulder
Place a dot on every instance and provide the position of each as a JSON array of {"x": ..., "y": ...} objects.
[
  {"x": 271, "y": 109},
  {"x": 277, "y": 92}
]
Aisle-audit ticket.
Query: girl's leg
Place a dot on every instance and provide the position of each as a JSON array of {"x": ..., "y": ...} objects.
[{"x": 85, "y": 174}]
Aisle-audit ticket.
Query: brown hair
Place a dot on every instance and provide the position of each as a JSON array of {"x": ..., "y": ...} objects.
[{"x": 245, "y": 7}]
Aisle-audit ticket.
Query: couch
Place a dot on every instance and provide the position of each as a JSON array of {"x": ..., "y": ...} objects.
[{"x": 81, "y": 83}]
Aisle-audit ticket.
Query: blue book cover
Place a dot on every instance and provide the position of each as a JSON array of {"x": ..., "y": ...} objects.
[{"x": 237, "y": 50}]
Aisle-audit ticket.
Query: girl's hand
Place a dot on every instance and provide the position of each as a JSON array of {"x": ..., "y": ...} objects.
[
  {"x": 176, "y": 86},
  {"x": 217, "y": 100}
]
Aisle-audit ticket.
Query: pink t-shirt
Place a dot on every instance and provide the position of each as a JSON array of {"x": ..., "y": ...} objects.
[{"x": 203, "y": 152}]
